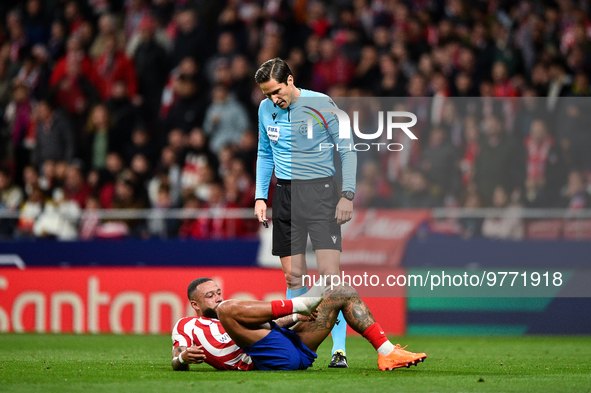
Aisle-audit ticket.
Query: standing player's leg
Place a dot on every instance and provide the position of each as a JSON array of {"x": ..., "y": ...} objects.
[
  {"x": 360, "y": 318},
  {"x": 294, "y": 268},
  {"x": 328, "y": 265},
  {"x": 325, "y": 234},
  {"x": 289, "y": 240}
]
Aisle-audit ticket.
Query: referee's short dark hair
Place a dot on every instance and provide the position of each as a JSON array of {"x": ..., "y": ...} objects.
[
  {"x": 194, "y": 284},
  {"x": 273, "y": 69}
]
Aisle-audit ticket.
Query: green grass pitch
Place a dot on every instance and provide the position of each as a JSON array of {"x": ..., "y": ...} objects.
[{"x": 106, "y": 363}]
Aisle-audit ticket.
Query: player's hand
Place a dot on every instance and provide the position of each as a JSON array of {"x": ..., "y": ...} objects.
[
  {"x": 194, "y": 354},
  {"x": 344, "y": 211},
  {"x": 260, "y": 210}
]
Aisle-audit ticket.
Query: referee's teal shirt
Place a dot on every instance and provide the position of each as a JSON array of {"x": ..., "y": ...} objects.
[{"x": 285, "y": 146}]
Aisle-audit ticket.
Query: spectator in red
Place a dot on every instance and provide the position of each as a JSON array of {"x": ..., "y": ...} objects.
[
  {"x": 219, "y": 227},
  {"x": 74, "y": 55},
  {"x": 113, "y": 65},
  {"x": 332, "y": 68},
  {"x": 193, "y": 228},
  {"x": 502, "y": 84},
  {"x": 74, "y": 91},
  {"x": 317, "y": 19},
  {"x": 105, "y": 184},
  {"x": 216, "y": 226},
  {"x": 537, "y": 145},
  {"x": 244, "y": 181},
  {"x": 75, "y": 187},
  {"x": 238, "y": 197}
]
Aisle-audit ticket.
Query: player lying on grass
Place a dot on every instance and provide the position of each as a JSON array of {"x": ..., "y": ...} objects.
[{"x": 275, "y": 335}]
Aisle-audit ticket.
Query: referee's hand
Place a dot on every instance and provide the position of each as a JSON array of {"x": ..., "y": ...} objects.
[
  {"x": 260, "y": 210},
  {"x": 344, "y": 211}
]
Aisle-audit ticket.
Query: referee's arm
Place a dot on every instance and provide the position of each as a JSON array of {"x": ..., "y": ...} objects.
[
  {"x": 344, "y": 210},
  {"x": 348, "y": 156},
  {"x": 264, "y": 171}
]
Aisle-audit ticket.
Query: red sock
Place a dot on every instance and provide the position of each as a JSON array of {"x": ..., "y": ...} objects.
[
  {"x": 281, "y": 308},
  {"x": 375, "y": 335}
]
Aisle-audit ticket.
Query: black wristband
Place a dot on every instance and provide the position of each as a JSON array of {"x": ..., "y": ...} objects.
[{"x": 348, "y": 194}]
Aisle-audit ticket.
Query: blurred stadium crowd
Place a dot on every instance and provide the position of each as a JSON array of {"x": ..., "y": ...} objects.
[{"x": 131, "y": 104}]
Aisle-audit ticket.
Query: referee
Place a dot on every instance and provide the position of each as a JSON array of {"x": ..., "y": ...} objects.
[{"x": 306, "y": 200}]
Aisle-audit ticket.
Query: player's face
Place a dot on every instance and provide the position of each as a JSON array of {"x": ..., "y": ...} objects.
[
  {"x": 206, "y": 298},
  {"x": 279, "y": 93}
]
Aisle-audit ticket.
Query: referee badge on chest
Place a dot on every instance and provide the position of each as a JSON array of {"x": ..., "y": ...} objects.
[{"x": 273, "y": 134}]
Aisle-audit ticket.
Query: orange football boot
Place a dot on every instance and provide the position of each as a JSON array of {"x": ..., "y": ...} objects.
[{"x": 399, "y": 358}]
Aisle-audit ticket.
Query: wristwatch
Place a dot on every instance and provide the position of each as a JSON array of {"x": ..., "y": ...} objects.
[{"x": 348, "y": 194}]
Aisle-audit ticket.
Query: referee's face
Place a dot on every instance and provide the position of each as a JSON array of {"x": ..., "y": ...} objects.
[{"x": 279, "y": 93}]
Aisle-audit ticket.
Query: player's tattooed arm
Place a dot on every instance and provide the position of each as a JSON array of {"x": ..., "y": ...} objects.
[
  {"x": 288, "y": 320},
  {"x": 285, "y": 322},
  {"x": 175, "y": 363},
  {"x": 325, "y": 317}
]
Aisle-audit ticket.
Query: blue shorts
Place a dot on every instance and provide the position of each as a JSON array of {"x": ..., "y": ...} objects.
[{"x": 281, "y": 349}]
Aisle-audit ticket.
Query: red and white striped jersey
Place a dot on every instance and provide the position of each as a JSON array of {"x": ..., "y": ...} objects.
[{"x": 220, "y": 350}]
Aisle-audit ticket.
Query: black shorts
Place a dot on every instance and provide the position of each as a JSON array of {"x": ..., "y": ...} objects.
[{"x": 302, "y": 207}]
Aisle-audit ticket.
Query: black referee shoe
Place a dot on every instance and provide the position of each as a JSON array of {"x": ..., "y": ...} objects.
[{"x": 339, "y": 360}]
